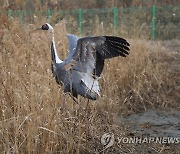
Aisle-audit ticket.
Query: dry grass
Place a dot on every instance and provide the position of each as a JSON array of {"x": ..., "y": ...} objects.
[{"x": 31, "y": 117}]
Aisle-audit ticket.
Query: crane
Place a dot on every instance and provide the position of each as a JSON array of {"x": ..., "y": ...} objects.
[{"x": 81, "y": 69}]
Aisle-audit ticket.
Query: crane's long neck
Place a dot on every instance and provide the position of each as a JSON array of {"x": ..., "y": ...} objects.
[{"x": 54, "y": 54}]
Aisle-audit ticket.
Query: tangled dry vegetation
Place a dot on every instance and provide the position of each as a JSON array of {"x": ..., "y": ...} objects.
[{"x": 31, "y": 117}]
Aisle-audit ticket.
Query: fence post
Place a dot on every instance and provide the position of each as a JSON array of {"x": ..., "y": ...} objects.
[
  {"x": 48, "y": 14},
  {"x": 9, "y": 13},
  {"x": 20, "y": 14},
  {"x": 115, "y": 18},
  {"x": 80, "y": 19},
  {"x": 42, "y": 2},
  {"x": 153, "y": 22}
]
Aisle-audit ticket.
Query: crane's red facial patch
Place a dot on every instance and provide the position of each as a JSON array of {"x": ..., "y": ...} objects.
[{"x": 45, "y": 27}]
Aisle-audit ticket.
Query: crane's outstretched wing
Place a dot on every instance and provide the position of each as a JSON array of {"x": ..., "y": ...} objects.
[
  {"x": 72, "y": 40},
  {"x": 91, "y": 52},
  {"x": 88, "y": 59}
]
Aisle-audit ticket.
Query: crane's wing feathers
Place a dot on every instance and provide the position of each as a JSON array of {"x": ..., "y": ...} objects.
[
  {"x": 99, "y": 65},
  {"x": 91, "y": 52},
  {"x": 113, "y": 47},
  {"x": 73, "y": 39},
  {"x": 87, "y": 56}
]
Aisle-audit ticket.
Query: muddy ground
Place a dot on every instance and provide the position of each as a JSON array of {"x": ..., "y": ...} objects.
[{"x": 156, "y": 122}]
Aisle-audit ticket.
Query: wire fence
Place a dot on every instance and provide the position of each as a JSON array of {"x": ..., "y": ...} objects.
[{"x": 156, "y": 22}]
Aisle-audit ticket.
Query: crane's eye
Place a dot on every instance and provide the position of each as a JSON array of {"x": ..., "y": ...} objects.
[{"x": 45, "y": 27}]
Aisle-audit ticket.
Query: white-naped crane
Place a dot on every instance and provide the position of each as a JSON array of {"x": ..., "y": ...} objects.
[{"x": 80, "y": 71}]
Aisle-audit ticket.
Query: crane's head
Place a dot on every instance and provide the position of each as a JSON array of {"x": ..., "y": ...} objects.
[{"x": 46, "y": 26}]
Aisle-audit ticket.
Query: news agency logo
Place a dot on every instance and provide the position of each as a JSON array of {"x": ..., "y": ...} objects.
[
  {"x": 143, "y": 140},
  {"x": 108, "y": 139}
]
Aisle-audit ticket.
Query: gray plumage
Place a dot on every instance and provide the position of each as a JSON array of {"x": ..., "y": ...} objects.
[{"x": 80, "y": 71}]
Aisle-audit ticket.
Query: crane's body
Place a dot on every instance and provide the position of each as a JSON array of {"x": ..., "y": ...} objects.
[
  {"x": 74, "y": 80},
  {"x": 80, "y": 71}
]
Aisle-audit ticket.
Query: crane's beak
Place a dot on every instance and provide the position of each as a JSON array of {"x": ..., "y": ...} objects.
[{"x": 34, "y": 30}]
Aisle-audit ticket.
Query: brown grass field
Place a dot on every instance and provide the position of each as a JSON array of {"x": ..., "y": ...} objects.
[{"x": 32, "y": 119}]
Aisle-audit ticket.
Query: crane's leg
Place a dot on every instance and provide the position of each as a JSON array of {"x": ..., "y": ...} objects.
[
  {"x": 74, "y": 97},
  {"x": 87, "y": 105},
  {"x": 86, "y": 114},
  {"x": 64, "y": 100}
]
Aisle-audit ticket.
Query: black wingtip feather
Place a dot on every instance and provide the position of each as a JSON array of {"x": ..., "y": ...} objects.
[
  {"x": 119, "y": 48},
  {"x": 119, "y": 44},
  {"x": 117, "y": 39},
  {"x": 116, "y": 46}
]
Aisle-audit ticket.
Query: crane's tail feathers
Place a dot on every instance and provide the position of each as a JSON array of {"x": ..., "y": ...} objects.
[{"x": 88, "y": 93}]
